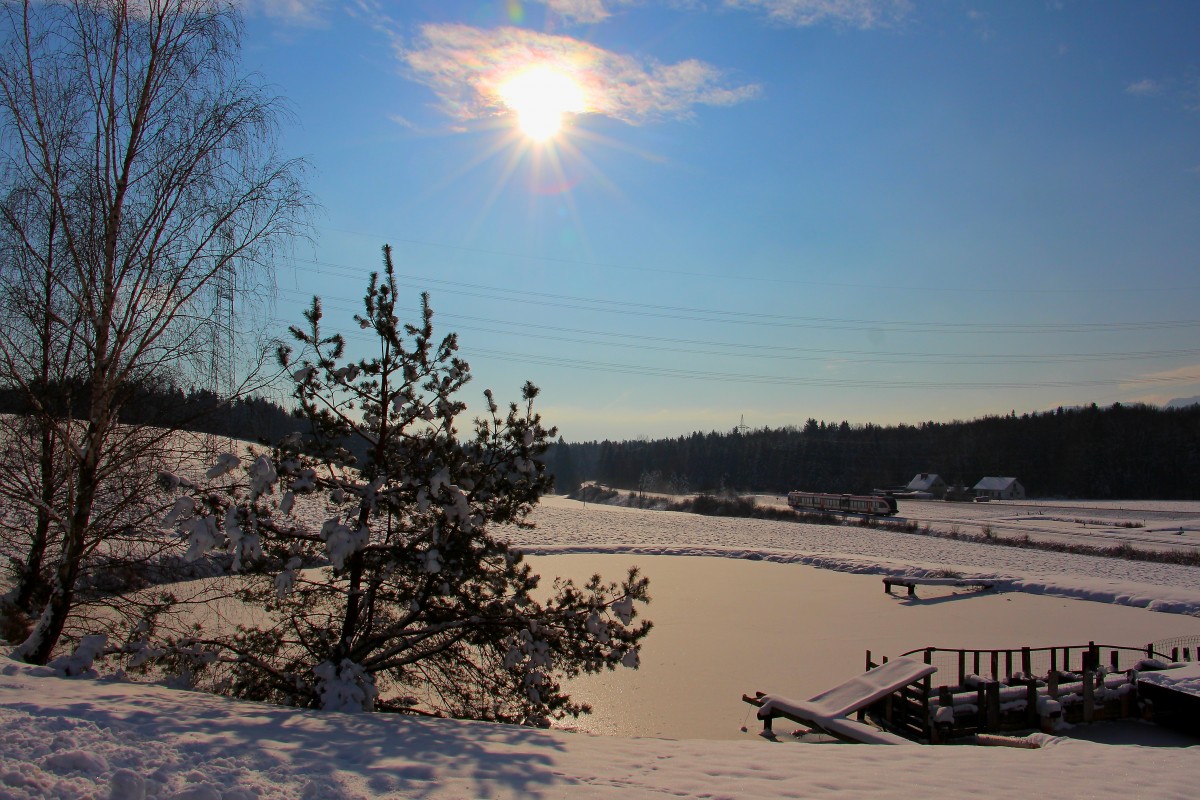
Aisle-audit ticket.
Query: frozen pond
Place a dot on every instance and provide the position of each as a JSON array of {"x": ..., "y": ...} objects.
[{"x": 725, "y": 626}]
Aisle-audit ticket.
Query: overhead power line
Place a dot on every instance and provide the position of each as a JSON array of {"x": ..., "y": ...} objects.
[
  {"x": 657, "y": 371},
  {"x": 783, "y": 380},
  {"x": 660, "y": 311},
  {"x": 1095, "y": 288}
]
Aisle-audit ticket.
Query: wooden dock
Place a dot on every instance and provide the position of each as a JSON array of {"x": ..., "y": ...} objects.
[
  {"x": 1005, "y": 690},
  {"x": 968, "y": 693}
]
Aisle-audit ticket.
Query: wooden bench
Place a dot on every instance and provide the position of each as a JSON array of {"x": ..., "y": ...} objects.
[{"x": 913, "y": 583}]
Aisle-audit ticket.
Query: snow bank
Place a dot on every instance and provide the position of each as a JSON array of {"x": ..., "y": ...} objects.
[{"x": 83, "y": 738}]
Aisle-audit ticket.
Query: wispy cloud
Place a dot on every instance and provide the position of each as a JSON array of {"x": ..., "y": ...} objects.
[
  {"x": 1181, "y": 376},
  {"x": 1191, "y": 93},
  {"x": 466, "y": 66},
  {"x": 307, "y": 12},
  {"x": 802, "y": 13},
  {"x": 1146, "y": 87},
  {"x": 585, "y": 11}
]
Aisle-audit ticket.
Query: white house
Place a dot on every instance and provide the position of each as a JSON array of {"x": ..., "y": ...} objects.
[
  {"x": 927, "y": 483},
  {"x": 1000, "y": 489}
]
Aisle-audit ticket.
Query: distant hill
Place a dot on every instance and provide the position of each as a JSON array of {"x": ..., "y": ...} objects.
[{"x": 1183, "y": 402}]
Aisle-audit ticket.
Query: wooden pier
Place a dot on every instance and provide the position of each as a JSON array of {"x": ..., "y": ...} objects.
[
  {"x": 1005, "y": 690},
  {"x": 965, "y": 693}
]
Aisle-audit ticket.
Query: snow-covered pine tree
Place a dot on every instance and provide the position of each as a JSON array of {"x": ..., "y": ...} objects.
[{"x": 407, "y": 597}]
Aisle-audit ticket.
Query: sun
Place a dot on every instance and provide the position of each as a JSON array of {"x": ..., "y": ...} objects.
[{"x": 541, "y": 96}]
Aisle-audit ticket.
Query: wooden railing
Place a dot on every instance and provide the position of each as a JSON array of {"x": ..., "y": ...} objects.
[{"x": 979, "y": 687}]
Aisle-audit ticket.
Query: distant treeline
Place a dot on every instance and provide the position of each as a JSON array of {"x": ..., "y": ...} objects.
[
  {"x": 252, "y": 418},
  {"x": 1119, "y": 452},
  {"x": 1124, "y": 451}
]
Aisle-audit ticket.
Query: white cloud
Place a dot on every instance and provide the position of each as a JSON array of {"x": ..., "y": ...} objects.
[
  {"x": 466, "y": 66},
  {"x": 860, "y": 13},
  {"x": 1144, "y": 88},
  {"x": 802, "y": 13},
  {"x": 586, "y": 11},
  {"x": 1189, "y": 374},
  {"x": 302, "y": 11},
  {"x": 1191, "y": 94}
]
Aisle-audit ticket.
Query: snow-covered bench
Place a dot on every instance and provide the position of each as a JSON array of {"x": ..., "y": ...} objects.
[
  {"x": 830, "y": 710},
  {"x": 913, "y": 583}
]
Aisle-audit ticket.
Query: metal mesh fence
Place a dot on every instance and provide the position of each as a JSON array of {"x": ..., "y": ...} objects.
[{"x": 1185, "y": 648}]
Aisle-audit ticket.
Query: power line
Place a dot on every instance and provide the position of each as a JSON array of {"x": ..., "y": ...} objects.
[
  {"x": 1090, "y": 289},
  {"x": 659, "y": 311},
  {"x": 784, "y": 380},
  {"x": 782, "y": 352}
]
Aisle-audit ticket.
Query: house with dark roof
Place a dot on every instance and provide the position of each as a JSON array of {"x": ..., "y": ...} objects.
[{"x": 1000, "y": 489}]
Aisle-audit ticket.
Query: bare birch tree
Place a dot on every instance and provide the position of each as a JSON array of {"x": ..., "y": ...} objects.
[{"x": 146, "y": 169}]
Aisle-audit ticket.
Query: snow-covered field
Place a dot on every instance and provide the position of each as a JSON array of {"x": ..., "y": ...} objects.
[
  {"x": 1145, "y": 524},
  {"x": 566, "y": 526},
  {"x": 87, "y": 738}
]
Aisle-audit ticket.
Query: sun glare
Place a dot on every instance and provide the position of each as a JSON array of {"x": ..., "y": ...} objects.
[{"x": 541, "y": 96}]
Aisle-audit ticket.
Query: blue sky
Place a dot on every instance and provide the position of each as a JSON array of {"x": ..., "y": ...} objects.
[{"x": 863, "y": 210}]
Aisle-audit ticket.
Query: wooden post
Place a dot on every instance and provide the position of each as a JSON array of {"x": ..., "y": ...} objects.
[
  {"x": 993, "y": 705},
  {"x": 869, "y": 664},
  {"x": 995, "y": 665},
  {"x": 981, "y": 706},
  {"x": 1031, "y": 700},
  {"x": 1089, "y": 696},
  {"x": 1053, "y": 659},
  {"x": 976, "y": 662},
  {"x": 1052, "y": 684},
  {"x": 926, "y": 720},
  {"x": 1114, "y": 660},
  {"x": 1026, "y": 662},
  {"x": 1008, "y": 662},
  {"x": 962, "y": 667},
  {"x": 1174, "y": 654}
]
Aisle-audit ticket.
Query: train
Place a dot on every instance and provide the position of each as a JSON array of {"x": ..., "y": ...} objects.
[{"x": 882, "y": 506}]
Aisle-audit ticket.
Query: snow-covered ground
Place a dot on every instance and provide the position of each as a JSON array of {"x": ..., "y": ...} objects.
[
  {"x": 96, "y": 739},
  {"x": 1145, "y": 524},
  {"x": 87, "y": 738},
  {"x": 566, "y": 526}
]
